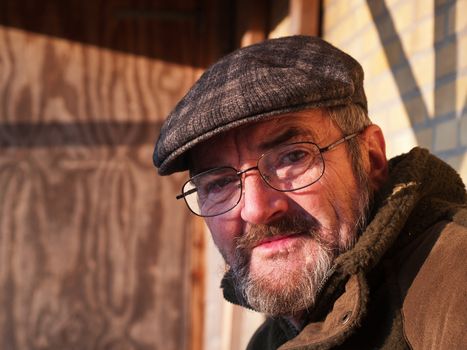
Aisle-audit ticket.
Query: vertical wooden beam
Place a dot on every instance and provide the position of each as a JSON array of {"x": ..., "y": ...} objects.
[
  {"x": 305, "y": 17},
  {"x": 251, "y": 22},
  {"x": 197, "y": 283}
]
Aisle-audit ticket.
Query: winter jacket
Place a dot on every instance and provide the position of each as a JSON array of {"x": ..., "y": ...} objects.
[{"x": 403, "y": 285}]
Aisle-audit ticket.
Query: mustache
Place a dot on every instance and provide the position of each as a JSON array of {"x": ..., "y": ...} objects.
[{"x": 287, "y": 225}]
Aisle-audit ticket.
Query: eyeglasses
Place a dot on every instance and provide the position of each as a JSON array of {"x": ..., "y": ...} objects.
[{"x": 285, "y": 168}]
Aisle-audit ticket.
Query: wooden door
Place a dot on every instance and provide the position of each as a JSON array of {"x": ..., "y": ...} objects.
[{"x": 95, "y": 253}]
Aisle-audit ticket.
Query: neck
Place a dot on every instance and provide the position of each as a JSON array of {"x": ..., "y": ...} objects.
[{"x": 297, "y": 320}]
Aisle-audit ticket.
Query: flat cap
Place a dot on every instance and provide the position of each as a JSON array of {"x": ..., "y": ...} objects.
[{"x": 260, "y": 81}]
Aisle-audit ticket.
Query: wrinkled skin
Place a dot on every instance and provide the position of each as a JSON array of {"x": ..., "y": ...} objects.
[{"x": 259, "y": 239}]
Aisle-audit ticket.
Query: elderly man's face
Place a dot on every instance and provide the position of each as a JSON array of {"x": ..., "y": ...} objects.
[{"x": 281, "y": 245}]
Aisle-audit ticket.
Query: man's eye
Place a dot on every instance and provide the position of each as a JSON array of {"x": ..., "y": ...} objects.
[
  {"x": 293, "y": 157},
  {"x": 218, "y": 185}
]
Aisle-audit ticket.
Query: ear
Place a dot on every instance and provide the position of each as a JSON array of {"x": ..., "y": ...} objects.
[{"x": 374, "y": 155}]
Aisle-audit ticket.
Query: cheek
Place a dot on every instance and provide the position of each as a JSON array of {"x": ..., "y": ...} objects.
[
  {"x": 323, "y": 203},
  {"x": 315, "y": 201},
  {"x": 340, "y": 193},
  {"x": 224, "y": 232}
]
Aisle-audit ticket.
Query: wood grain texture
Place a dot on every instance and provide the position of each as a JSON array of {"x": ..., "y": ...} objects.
[{"x": 95, "y": 253}]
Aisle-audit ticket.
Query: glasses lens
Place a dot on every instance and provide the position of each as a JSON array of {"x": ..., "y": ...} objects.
[
  {"x": 291, "y": 167},
  {"x": 213, "y": 192}
]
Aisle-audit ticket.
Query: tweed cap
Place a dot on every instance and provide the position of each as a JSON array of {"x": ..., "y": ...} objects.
[{"x": 257, "y": 82}]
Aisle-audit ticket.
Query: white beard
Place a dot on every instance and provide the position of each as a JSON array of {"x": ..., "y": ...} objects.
[{"x": 282, "y": 291}]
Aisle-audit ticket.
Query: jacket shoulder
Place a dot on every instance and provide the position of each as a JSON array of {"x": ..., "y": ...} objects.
[{"x": 433, "y": 281}]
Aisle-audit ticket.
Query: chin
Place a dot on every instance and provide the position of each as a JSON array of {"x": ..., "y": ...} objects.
[{"x": 287, "y": 282}]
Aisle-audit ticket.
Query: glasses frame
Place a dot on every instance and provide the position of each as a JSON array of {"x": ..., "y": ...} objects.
[{"x": 239, "y": 173}]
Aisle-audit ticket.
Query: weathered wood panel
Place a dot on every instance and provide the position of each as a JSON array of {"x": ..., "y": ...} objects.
[{"x": 94, "y": 251}]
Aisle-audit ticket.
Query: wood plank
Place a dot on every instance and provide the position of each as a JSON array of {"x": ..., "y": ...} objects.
[
  {"x": 251, "y": 22},
  {"x": 82, "y": 265},
  {"x": 95, "y": 252},
  {"x": 305, "y": 17}
]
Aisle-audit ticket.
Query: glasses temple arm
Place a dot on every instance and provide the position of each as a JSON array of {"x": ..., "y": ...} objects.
[
  {"x": 337, "y": 143},
  {"x": 184, "y": 194}
]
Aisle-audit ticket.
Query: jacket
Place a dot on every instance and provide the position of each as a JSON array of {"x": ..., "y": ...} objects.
[{"x": 403, "y": 284}]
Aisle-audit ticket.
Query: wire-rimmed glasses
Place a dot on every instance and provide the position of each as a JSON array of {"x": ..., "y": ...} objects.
[{"x": 285, "y": 168}]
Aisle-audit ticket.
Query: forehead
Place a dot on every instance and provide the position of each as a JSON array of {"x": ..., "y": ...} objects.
[{"x": 252, "y": 140}]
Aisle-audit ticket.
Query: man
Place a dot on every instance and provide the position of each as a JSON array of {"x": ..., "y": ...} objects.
[{"x": 337, "y": 246}]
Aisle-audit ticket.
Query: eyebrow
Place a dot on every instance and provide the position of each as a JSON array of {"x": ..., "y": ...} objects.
[
  {"x": 284, "y": 136},
  {"x": 288, "y": 134}
]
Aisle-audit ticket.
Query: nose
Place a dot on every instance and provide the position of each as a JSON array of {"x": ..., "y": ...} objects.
[{"x": 261, "y": 204}]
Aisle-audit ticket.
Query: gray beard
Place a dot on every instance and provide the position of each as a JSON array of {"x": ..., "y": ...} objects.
[{"x": 297, "y": 290}]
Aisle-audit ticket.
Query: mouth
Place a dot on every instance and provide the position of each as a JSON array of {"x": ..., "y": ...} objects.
[{"x": 277, "y": 242}]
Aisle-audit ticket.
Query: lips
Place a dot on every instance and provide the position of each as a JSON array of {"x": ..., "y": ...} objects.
[
  {"x": 284, "y": 229},
  {"x": 276, "y": 242}
]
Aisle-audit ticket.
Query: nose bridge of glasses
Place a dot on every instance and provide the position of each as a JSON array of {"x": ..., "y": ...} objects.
[
  {"x": 265, "y": 177},
  {"x": 240, "y": 173}
]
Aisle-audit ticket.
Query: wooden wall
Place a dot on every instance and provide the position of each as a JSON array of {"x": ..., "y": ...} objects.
[{"x": 95, "y": 253}]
